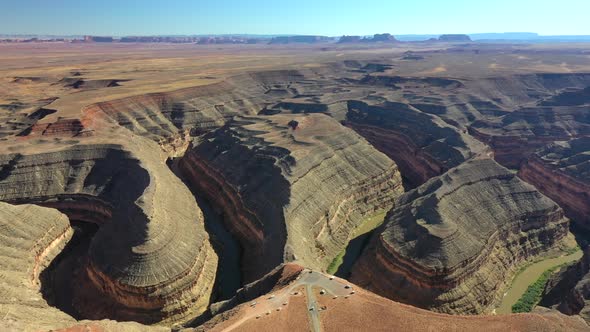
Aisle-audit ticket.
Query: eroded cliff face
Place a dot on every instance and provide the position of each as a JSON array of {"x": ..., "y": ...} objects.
[
  {"x": 561, "y": 171},
  {"x": 31, "y": 237},
  {"x": 517, "y": 135},
  {"x": 422, "y": 146},
  {"x": 148, "y": 222},
  {"x": 291, "y": 187},
  {"x": 451, "y": 244}
]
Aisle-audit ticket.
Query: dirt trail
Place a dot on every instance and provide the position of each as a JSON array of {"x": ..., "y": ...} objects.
[{"x": 333, "y": 287}]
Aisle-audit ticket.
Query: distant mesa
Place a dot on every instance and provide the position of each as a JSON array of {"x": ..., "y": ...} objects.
[
  {"x": 300, "y": 39},
  {"x": 98, "y": 39},
  {"x": 383, "y": 37},
  {"x": 454, "y": 38},
  {"x": 377, "y": 38},
  {"x": 350, "y": 39},
  {"x": 186, "y": 40}
]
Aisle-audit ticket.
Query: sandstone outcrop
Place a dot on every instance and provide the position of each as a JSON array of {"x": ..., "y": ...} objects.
[
  {"x": 30, "y": 237},
  {"x": 163, "y": 117},
  {"x": 561, "y": 171},
  {"x": 290, "y": 187},
  {"x": 150, "y": 260},
  {"x": 451, "y": 244}
]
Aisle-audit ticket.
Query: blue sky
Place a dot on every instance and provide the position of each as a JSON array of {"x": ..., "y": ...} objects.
[{"x": 333, "y": 18}]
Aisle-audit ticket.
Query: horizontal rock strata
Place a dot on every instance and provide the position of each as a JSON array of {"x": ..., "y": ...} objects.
[
  {"x": 291, "y": 187},
  {"x": 30, "y": 237},
  {"x": 517, "y": 135},
  {"x": 420, "y": 146},
  {"x": 450, "y": 244},
  {"x": 150, "y": 260},
  {"x": 562, "y": 171}
]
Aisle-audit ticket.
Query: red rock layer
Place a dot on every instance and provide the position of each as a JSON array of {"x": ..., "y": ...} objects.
[
  {"x": 436, "y": 250},
  {"x": 511, "y": 151},
  {"x": 62, "y": 128},
  {"x": 415, "y": 165},
  {"x": 570, "y": 193}
]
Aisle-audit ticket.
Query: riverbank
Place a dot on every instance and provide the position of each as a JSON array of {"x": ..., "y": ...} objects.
[
  {"x": 529, "y": 275},
  {"x": 342, "y": 264}
]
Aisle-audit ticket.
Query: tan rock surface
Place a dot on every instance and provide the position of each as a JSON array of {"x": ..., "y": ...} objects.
[
  {"x": 30, "y": 237},
  {"x": 148, "y": 222},
  {"x": 451, "y": 244},
  {"x": 561, "y": 171},
  {"x": 292, "y": 187}
]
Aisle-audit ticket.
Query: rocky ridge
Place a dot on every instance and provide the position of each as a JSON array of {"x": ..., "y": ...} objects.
[
  {"x": 449, "y": 244},
  {"x": 323, "y": 180},
  {"x": 139, "y": 223}
]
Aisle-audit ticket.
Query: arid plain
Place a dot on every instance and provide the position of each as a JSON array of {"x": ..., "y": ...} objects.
[{"x": 220, "y": 187}]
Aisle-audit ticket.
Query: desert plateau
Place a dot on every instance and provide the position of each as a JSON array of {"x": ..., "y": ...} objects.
[{"x": 294, "y": 183}]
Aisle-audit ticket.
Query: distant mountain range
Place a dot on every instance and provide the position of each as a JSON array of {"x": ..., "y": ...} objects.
[
  {"x": 504, "y": 36},
  {"x": 480, "y": 37}
]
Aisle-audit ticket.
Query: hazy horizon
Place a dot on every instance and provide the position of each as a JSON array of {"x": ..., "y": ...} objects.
[{"x": 306, "y": 17}]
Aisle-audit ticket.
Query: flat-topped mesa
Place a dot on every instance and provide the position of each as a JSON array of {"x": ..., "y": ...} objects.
[
  {"x": 421, "y": 145},
  {"x": 30, "y": 237},
  {"x": 452, "y": 244},
  {"x": 454, "y": 38},
  {"x": 148, "y": 221},
  {"x": 562, "y": 171},
  {"x": 291, "y": 187}
]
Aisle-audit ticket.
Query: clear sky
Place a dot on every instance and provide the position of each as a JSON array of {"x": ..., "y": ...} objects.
[{"x": 333, "y": 18}]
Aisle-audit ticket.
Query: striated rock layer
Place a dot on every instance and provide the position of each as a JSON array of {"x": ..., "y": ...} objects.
[
  {"x": 517, "y": 135},
  {"x": 562, "y": 171},
  {"x": 450, "y": 244},
  {"x": 150, "y": 260},
  {"x": 30, "y": 237},
  {"x": 291, "y": 187},
  {"x": 421, "y": 146}
]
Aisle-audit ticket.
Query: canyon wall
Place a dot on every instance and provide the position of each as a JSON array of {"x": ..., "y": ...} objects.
[
  {"x": 452, "y": 244},
  {"x": 148, "y": 221},
  {"x": 291, "y": 187},
  {"x": 562, "y": 171},
  {"x": 30, "y": 237},
  {"x": 421, "y": 145}
]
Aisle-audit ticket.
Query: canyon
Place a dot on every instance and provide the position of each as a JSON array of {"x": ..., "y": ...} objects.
[{"x": 137, "y": 179}]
